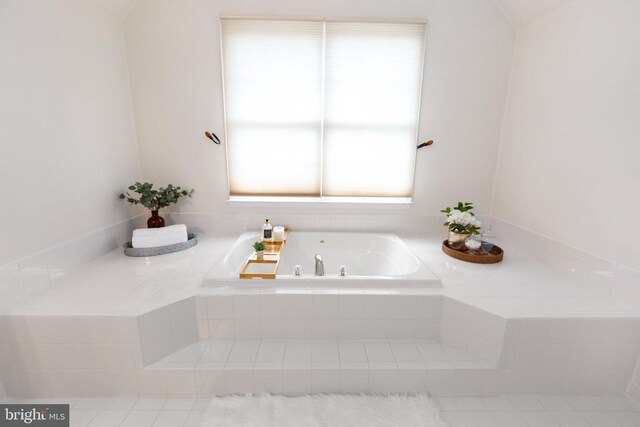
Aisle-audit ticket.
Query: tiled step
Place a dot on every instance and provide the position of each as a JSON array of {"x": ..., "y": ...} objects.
[{"x": 296, "y": 367}]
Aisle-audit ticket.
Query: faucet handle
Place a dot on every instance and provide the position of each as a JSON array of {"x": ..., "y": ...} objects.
[
  {"x": 297, "y": 270},
  {"x": 342, "y": 271}
]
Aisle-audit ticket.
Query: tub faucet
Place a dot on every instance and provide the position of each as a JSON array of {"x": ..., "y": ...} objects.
[{"x": 319, "y": 266}]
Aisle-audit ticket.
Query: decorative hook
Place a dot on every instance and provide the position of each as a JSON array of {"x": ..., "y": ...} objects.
[
  {"x": 213, "y": 137},
  {"x": 425, "y": 144}
]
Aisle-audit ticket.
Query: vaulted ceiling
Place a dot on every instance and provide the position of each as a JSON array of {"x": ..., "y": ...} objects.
[{"x": 522, "y": 12}]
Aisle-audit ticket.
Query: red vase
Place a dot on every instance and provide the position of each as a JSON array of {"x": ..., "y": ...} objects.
[{"x": 155, "y": 221}]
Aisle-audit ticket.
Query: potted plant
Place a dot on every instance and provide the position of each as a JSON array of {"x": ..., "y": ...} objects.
[
  {"x": 155, "y": 200},
  {"x": 462, "y": 224},
  {"x": 259, "y": 248}
]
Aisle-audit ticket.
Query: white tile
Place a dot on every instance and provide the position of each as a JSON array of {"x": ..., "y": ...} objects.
[
  {"x": 350, "y": 306},
  {"x": 247, "y": 329},
  {"x": 243, "y": 351},
  {"x": 298, "y": 329},
  {"x": 209, "y": 382},
  {"x": 178, "y": 404},
  {"x": 350, "y": 329},
  {"x": 376, "y": 307},
  {"x": 400, "y": 329},
  {"x": 508, "y": 419},
  {"x": 82, "y": 417},
  {"x": 352, "y": 352},
  {"x": 626, "y": 419},
  {"x": 324, "y": 306},
  {"x": 246, "y": 306},
  {"x": 324, "y": 329},
  {"x": 238, "y": 377},
  {"x": 325, "y": 380},
  {"x": 298, "y": 352},
  {"x": 325, "y": 351},
  {"x": 294, "y": 306},
  {"x": 583, "y": 403},
  {"x": 469, "y": 404},
  {"x": 500, "y": 403},
  {"x": 191, "y": 353},
  {"x": 570, "y": 419},
  {"x": 149, "y": 404},
  {"x": 181, "y": 383},
  {"x": 171, "y": 419},
  {"x": 354, "y": 377},
  {"x": 220, "y": 306},
  {"x": 267, "y": 380},
  {"x": 270, "y": 351},
  {"x": 375, "y": 329},
  {"x": 383, "y": 377},
  {"x": 140, "y": 418},
  {"x": 600, "y": 419},
  {"x": 432, "y": 352},
  {"x": 403, "y": 306},
  {"x": 612, "y": 403},
  {"x": 109, "y": 418},
  {"x": 539, "y": 419},
  {"x": 216, "y": 352},
  {"x": 405, "y": 352},
  {"x": 91, "y": 403},
  {"x": 222, "y": 329},
  {"x": 378, "y": 352},
  {"x": 554, "y": 403},
  {"x": 296, "y": 381},
  {"x": 121, "y": 403},
  {"x": 273, "y": 329}
]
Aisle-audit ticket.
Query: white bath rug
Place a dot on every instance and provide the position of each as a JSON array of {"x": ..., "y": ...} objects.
[{"x": 331, "y": 410}]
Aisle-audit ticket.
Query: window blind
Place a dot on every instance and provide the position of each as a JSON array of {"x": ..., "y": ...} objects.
[
  {"x": 273, "y": 106},
  {"x": 319, "y": 108}
]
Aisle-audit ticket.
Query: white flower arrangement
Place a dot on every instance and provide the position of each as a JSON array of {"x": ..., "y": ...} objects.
[{"x": 461, "y": 219}]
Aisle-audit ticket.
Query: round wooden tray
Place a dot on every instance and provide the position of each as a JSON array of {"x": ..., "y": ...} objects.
[{"x": 492, "y": 257}]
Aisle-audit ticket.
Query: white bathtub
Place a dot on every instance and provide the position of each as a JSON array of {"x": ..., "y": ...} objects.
[{"x": 371, "y": 259}]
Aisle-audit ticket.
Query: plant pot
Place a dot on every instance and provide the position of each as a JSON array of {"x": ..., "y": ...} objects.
[
  {"x": 456, "y": 240},
  {"x": 260, "y": 254},
  {"x": 155, "y": 221}
]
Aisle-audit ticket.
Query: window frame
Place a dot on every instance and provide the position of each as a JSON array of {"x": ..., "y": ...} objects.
[{"x": 322, "y": 201}]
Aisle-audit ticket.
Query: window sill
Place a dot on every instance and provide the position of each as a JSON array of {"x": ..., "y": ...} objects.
[{"x": 324, "y": 202}]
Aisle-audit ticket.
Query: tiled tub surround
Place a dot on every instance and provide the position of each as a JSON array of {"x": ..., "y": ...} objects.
[{"x": 526, "y": 325}]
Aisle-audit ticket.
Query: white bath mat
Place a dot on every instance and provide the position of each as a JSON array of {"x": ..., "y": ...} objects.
[{"x": 332, "y": 410}]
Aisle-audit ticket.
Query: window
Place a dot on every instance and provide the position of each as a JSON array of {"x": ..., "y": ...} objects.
[{"x": 321, "y": 109}]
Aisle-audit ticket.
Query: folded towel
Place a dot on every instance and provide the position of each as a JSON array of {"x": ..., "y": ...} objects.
[
  {"x": 154, "y": 237},
  {"x": 177, "y": 228}
]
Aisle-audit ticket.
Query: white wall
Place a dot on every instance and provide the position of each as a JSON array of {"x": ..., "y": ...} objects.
[
  {"x": 174, "y": 60},
  {"x": 568, "y": 166},
  {"x": 67, "y": 138}
]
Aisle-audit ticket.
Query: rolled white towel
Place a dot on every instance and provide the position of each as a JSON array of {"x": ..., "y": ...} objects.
[
  {"x": 155, "y": 237},
  {"x": 177, "y": 228}
]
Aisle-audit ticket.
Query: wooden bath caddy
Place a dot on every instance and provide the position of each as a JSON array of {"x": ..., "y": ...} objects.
[
  {"x": 494, "y": 256},
  {"x": 266, "y": 267}
]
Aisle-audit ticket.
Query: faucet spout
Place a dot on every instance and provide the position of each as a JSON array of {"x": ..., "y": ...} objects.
[{"x": 319, "y": 266}]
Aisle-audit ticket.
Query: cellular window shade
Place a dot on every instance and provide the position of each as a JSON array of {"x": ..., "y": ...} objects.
[
  {"x": 273, "y": 106},
  {"x": 319, "y": 108},
  {"x": 373, "y": 77}
]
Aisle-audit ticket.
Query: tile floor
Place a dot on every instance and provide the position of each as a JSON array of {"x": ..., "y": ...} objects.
[
  {"x": 514, "y": 411},
  {"x": 539, "y": 411}
]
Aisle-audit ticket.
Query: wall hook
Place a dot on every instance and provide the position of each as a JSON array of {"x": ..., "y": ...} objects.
[
  {"x": 425, "y": 144},
  {"x": 212, "y": 136}
]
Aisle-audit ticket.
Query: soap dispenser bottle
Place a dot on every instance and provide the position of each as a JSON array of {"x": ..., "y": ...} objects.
[{"x": 267, "y": 231}]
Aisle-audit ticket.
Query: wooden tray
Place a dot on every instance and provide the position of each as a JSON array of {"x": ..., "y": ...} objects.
[
  {"x": 494, "y": 256},
  {"x": 266, "y": 267}
]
